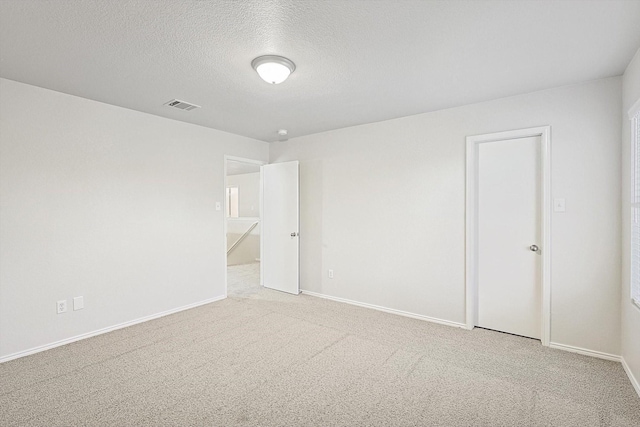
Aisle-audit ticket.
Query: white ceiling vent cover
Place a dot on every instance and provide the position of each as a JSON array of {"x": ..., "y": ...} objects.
[{"x": 181, "y": 105}]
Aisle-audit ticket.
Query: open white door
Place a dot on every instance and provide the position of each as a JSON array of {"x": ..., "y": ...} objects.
[{"x": 280, "y": 227}]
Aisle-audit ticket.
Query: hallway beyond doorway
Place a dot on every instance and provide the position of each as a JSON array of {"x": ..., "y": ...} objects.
[{"x": 243, "y": 280}]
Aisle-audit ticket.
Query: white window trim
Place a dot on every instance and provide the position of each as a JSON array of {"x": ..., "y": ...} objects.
[{"x": 634, "y": 201}]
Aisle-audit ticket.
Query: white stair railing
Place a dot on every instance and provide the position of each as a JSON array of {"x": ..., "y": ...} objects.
[{"x": 241, "y": 238}]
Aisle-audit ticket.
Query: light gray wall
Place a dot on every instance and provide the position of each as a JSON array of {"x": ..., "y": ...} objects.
[
  {"x": 248, "y": 193},
  {"x": 118, "y": 206},
  {"x": 383, "y": 205},
  {"x": 112, "y": 204},
  {"x": 630, "y": 313}
]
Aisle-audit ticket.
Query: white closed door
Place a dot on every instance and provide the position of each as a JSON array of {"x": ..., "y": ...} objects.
[
  {"x": 280, "y": 227},
  {"x": 509, "y": 236}
]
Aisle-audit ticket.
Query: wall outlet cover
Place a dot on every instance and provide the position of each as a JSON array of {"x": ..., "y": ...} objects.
[
  {"x": 78, "y": 303},
  {"x": 61, "y": 306},
  {"x": 559, "y": 204}
]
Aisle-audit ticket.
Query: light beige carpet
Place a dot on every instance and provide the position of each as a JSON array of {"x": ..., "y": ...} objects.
[
  {"x": 243, "y": 280},
  {"x": 272, "y": 359}
]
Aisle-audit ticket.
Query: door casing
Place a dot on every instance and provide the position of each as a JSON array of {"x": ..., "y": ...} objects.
[{"x": 544, "y": 132}]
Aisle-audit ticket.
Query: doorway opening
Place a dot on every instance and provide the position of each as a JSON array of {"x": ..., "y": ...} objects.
[
  {"x": 243, "y": 228},
  {"x": 508, "y": 223}
]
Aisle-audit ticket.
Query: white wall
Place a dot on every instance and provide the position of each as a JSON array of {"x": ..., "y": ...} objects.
[
  {"x": 118, "y": 206},
  {"x": 248, "y": 193},
  {"x": 630, "y": 313},
  {"x": 383, "y": 205},
  {"x": 112, "y": 204}
]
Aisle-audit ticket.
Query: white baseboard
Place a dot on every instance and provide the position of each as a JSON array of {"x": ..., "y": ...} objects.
[
  {"x": 632, "y": 378},
  {"x": 105, "y": 330},
  {"x": 586, "y": 352},
  {"x": 387, "y": 310}
]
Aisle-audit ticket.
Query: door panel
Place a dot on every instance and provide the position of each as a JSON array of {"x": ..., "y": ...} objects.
[
  {"x": 509, "y": 218},
  {"x": 280, "y": 219}
]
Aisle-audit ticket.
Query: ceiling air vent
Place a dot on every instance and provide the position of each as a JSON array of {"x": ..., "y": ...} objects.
[{"x": 181, "y": 105}]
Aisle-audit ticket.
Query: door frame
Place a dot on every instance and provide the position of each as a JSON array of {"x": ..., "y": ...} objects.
[
  {"x": 224, "y": 213},
  {"x": 471, "y": 249}
]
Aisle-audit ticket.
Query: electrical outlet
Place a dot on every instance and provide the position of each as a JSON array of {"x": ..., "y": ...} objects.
[
  {"x": 62, "y": 306},
  {"x": 330, "y": 274},
  {"x": 559, "y": 204}
]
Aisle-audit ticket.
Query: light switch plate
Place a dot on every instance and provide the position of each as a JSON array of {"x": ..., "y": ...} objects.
[
  {"x": 218, "y": 206},
  {"x": 558, "y": 205},
  {"x": 78, "y": 303}
]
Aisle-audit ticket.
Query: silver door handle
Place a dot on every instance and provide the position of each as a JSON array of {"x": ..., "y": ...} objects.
[
  {"x": 294, "y": 234},
  {"x": 534, "y": 248}
]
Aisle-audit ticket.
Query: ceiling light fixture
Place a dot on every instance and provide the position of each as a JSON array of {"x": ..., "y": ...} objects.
[
  {"x": 272, "y": 68},
  {"x": 282, "y": 132}
]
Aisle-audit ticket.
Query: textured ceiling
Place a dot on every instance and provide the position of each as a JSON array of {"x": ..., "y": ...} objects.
[{"x": 357, "y": 61}]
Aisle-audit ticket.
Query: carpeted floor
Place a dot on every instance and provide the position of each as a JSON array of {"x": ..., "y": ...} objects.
[
  {"x": 243, "y": 280},
  {"x": 273, "y": 359}
]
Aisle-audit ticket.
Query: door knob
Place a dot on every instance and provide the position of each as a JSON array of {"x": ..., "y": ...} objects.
[
  {"x": 294, "y": 234},
  {"x": 534, "y": 248}
]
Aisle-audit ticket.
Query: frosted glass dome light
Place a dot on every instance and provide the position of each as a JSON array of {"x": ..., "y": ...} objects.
[{"x": 273, "y": 69}]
